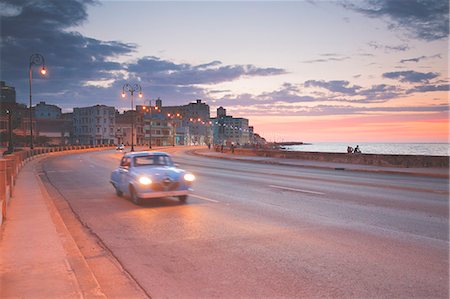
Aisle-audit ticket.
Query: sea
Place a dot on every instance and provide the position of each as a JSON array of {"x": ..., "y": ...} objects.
[{"x": 429, "y": 149}]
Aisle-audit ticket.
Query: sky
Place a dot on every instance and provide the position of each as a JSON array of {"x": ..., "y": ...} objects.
[{"x": 356, "y": 71}]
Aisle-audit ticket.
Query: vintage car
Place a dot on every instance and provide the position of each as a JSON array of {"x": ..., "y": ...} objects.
[{"x": 151, "y": 175}]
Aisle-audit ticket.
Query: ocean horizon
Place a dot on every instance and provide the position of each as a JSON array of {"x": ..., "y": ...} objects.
[{"x": 428, "y": 149}]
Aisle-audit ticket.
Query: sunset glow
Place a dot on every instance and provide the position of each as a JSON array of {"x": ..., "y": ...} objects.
[{"x": 299, "y": 70}]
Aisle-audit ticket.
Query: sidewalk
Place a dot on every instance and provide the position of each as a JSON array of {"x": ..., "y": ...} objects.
[
  {"x": 38, "y": 256},
  {"x": 431, "y": 172}
]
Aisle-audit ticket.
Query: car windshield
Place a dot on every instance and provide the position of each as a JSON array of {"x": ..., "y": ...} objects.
[{"x": 156, "y": 160}]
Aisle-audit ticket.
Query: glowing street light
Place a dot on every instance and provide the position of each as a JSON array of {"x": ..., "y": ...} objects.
[
  {"x": 174, "y": 124},
  {"x": 35, "y": 59},
  {"x": 131, "y": 88}
]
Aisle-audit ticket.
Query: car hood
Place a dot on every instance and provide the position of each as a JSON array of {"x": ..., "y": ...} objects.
[{"x": 159, "y": 172}]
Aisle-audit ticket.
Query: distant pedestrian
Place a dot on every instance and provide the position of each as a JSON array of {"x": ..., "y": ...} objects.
[
  {"x": 232, "y": 148},
  {"x": 349, "y": 149},
  {"x": 221, "y": 148},
  {"x": 209, "y": 145},
  {"x": 357, "y": 150}
]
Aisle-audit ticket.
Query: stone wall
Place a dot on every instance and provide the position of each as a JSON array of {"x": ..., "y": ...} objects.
[{"x": 407, "y": 161}]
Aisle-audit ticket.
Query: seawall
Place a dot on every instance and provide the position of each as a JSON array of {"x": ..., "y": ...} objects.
[{"x": 407, "y": 161}]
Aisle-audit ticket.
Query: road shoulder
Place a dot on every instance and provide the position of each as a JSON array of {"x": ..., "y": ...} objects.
[
  {"x": 38, "y": 259},
  {"x": 113, "y": 279},
  {"x": 46, "y": 252}
]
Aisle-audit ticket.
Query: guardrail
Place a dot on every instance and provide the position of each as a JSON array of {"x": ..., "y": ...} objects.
[{"x": 11, "y": 164}]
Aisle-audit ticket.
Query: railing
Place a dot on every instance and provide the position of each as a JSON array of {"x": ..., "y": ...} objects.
[{"x": 11, "y": 164}]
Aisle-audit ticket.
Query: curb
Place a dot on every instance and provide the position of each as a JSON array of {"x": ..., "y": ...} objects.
[
  {"x": 86, "y": 281},
  {"x": 380, "y": 171}
]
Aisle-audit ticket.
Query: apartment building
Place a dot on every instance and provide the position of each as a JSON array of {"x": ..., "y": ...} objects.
[
  {"x": 94, "y": 125},
  {"x": 192, "y": 121},
  {"x": 230, "y": 130}
]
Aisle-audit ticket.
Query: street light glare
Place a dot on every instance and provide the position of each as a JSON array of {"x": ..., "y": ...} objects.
[
  {"x": 123, "y": 94},
  {"x": 140, "y": 94},
  {"x": 43, "y": 71}
]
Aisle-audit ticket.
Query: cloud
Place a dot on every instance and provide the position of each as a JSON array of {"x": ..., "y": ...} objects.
[
  {"x": 426, "y": 20},
  {"x": 429, "y": 88},
  {"x": 287, "y": 109},
  {"x": 379, "y": 93},
  {"x": 417, "y": 59},
  {"x": 71, "y": 59},
  {"x": 162, "y": 72},
  {"x": 295, "y": 94},
  {"x": 411, "y": 76},
  {"x": 84, "y": 71},
  {"x": 328, "y": 57},
  {"x": 387, "y": 48},
  {"x": 339, "y": 86}
]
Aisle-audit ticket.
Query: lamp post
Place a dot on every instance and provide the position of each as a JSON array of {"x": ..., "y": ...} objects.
[
  {"x": 10, "y": 143},
  {"x": 35, "y": 59},
  {"x": 148, "y": 108},
  {"x": 172, "y": 117},
  {"x": 131, "y": 88}
]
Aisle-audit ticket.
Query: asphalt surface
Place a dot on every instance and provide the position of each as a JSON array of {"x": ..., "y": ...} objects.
[{"x": 269, "y": 231}]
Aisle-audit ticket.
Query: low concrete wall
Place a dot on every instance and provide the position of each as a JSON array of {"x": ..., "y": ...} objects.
[
  {"x": 406, "y": 161},
  {"x": 11, "y": 164}
]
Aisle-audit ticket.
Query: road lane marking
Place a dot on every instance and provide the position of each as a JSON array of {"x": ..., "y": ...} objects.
[
  {"x": 296, "y": 190},
  {"x": 204, "y": 198}
]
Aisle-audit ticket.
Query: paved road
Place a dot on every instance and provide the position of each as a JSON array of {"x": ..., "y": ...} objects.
[{"x": 254, "y": 230}]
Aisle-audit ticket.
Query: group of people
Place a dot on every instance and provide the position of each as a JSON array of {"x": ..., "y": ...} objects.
[
  {"x": 355, "y": 150},
  {"x": 220, "y": 148}
]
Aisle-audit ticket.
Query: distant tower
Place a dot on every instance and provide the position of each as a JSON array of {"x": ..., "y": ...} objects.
[
  {"x": 8, "y": 93},
  {"x": 159, "y": 103},
  {"x": 221, "y": 112}
]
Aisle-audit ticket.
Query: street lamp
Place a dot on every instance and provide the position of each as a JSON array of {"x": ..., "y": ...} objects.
[
  {"x": 131, "y": 88},
  {"x": 172, "y": 117},
  {"x": 10, "y": 143},
  {"x": 35, "y": 59}
]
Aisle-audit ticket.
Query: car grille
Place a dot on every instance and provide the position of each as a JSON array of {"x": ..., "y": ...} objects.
[{"x": 165, "y": 185}]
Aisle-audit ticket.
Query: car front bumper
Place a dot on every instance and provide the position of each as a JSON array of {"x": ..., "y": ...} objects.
[{"x": 156, "y": 194}]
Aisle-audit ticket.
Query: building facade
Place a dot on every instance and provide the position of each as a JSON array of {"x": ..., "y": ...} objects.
[
  {"x": 7, "y": 93},
  {"x": 94, "y": 125},
  {"x": 192, "y": 120},
  {"x": 46, "y": 111},
  {"x": 127, "y": 121},
  {"x": 230, "y": 130}
]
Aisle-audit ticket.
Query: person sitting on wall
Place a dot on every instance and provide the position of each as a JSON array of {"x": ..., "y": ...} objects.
[
  {"x": 357, "y": 150},
  {"x": 349, "y": 149}
]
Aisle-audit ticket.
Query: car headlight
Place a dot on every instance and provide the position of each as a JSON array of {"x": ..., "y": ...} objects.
[
  {"x": 145, "y": 180},
  {"x": 189, "y": 177}
]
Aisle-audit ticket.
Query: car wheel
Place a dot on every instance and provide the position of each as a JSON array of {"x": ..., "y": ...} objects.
[
  {"x": 136, "y": 200},
  {"x": 118, "y": 192},
  {"x": 182, "y": 198}
]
